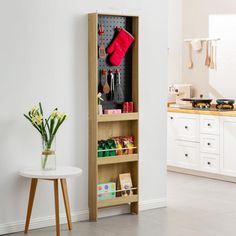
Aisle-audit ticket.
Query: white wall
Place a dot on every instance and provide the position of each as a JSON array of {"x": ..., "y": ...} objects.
[
  {"x": 207, "y": 18},
  {"x": 175, "y": 42},
  {"x": 43, "y": 45}
]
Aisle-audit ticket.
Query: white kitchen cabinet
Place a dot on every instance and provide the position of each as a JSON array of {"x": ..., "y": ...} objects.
[
  {"x": 228, "y": 145},
  {"x": 202, "y": 142},
  {"x": 183, "y": 140},
  {"x": 184, "y": 126},
  {"x": 209, "y": 162},
  {"x": 187, "y": 154},
  {"x": 209, "y": 124},
  {"x": 209, "y": 143},
  {"x": 171, "y": 142}
]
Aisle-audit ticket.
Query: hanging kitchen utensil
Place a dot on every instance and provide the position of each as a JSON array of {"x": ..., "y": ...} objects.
[
  {"x": 101, "y": 50},
  {"x": 106, "y": 87},
  {"x": 207, "y": 60},
  {"x": 212, "y": 63},
  {"x": 118, "y": 93},
  {"x": 103, "y": 77},
  {"x": 190, "y": 60},
  {"x": 112, "y": 85},
  {"x": 214, "y": 54}
]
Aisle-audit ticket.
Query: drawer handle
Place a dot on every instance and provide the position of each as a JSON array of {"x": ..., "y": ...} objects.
[
  {"x": 186, "y": 155},
  {"x": 209, "y": 144},
  {"x": 186, "y": 127},
  {"x": 208, "y": 163},
  {"x": 208, "y": 124},
  {"x": 171, "y": 117}
]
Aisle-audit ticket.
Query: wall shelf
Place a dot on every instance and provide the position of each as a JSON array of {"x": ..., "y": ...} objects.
[
  {"x": 118, "y": 117},
  {"x": 103, "y": 127},
  {"x": 117, "y": 159},
  {"x": 118, "y": 201}
]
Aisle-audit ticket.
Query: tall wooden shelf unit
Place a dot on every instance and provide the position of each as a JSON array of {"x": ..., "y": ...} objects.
[{"x": 107, "y": 169}]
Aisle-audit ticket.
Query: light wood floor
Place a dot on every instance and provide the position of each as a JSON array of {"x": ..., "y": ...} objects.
[{"x": 196, "y": 207}]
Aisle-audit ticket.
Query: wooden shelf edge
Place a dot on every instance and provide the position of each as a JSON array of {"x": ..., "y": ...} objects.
[
  {"x": 118, "y": 117},
  {"x": 117, "y": 201},
  {"x": 117, "y": 159}
]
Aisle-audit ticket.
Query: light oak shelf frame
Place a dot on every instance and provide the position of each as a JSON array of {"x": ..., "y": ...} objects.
[
  {"x": 118, "y": 117},
  {"x": 117, "y": 159},
  {"x": 107, "y": 169},
  {"x": 118, "y": 201}
]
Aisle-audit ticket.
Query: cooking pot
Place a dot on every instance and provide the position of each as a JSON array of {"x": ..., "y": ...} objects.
[{"x": 225, "y": 101}]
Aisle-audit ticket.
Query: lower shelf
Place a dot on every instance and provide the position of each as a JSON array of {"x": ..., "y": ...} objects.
[
  {"x": 117, "y": 159},
  {"x": 117, "y": 201}
]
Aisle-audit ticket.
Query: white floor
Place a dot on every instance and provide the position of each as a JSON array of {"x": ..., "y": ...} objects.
[
  {"x": 196, "y": 207},
  {"x": 200, "y": 206}
]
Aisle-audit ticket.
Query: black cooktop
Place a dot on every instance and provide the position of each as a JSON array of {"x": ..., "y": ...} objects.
[{"x": 206, "y": 109}]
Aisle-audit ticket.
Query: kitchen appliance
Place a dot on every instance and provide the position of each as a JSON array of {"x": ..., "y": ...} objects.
[
  {"x": 180, "y": 91},
  {"x": 201, "y": 103},
  {"x": 226, "y": 104},
  {"x": 205, "y": 104}
]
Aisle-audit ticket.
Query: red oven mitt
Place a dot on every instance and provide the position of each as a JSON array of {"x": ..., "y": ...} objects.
[{"x": 119, "y": 46}]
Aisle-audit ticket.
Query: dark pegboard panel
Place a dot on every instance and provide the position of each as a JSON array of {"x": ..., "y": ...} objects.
[{"x": 125, "y": 68}]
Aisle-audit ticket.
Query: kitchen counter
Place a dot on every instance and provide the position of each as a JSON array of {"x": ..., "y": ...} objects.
[{"x": 202, "y": 112}]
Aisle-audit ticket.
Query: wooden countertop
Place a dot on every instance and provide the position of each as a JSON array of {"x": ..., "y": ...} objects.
[{"x": 201, "y": 112}]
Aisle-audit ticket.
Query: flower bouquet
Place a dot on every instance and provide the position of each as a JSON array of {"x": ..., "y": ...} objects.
[{"x": 47, "y": 127}]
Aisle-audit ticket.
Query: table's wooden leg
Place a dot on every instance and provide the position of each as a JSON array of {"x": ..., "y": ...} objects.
[
  {"x": 30, "y": 203},
  {"x": 66, "y": 202},
  {"x": 56, "y": 195}
]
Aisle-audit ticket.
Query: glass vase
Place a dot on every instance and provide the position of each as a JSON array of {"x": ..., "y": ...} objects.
[{"x": 48, "y": 157}]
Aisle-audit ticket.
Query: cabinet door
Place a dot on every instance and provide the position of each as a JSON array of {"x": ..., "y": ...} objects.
[
  {"x": 171, "y": 144},
  {"x": 209, "y": 124},
  {"x": 184, "y": 126},
  {"x": 209, "y": 143},
  {"x": 228, "y": 145},
  {"x": 187, "y": 154},
  {"x": 209, "y": 162}
]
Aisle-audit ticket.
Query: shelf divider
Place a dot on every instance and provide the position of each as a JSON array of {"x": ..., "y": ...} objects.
[
  {"x": 117, "y": 201},
  {"x": 117, "y": 159},
  {"x": 118, "y": 117}
]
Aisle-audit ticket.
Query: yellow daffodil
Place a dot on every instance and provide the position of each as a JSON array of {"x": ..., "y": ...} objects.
[
  {"x": 34, "y": 111},
  {"x": 54, "y": 114},
  {"x": 38, "y": 119},
  {"x": 57, "y": 115},
  {"x": 60, "y": 115}
]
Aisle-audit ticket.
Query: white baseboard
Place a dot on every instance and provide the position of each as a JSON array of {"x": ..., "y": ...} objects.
[{"x": 46, "y": 221}]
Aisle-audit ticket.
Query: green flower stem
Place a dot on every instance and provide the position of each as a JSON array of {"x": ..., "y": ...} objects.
[{"x": 45, "y": 161}]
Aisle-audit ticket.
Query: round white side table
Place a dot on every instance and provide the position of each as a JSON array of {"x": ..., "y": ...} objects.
[{"x": 60, "y": 174}]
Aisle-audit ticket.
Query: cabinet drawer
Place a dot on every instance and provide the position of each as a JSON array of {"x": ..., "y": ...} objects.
[
  {"x": 187, "y": 154},
  {"x": 209, "y": 143},
  {"x": 209, "y": 162},
  {"x": 209, "y": 124},
  {"x": 184, "y": 126}
]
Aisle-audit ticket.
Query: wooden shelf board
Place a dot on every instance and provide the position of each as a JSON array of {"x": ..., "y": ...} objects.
[
  {"x": 118, "y": 117},
  {"x": 117, "y": 159},
  {"x": 117, "y": 201}
]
